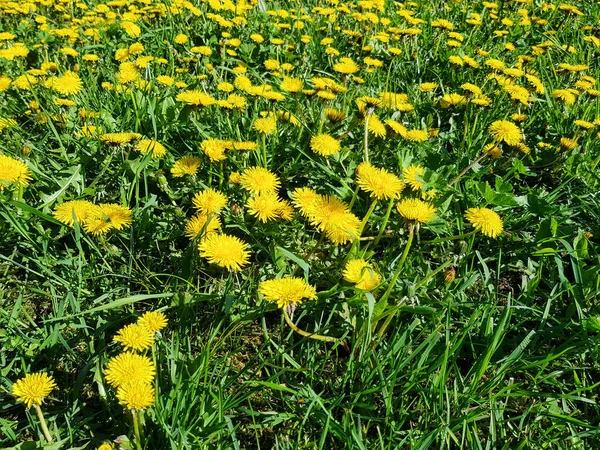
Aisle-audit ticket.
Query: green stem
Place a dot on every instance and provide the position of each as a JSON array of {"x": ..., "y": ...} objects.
[
  {"x": 385, "y": 221},
  {"x": 367, "y": 137},
  {"x": 363, "y": 224},
  {"x": 264, "y": 145},
  {"x": 136, "y": 430},
  {"x": 353, "y": 198},
  {"x": 449, "y": 238},
  {"x": 466, "y": 169},
  {"x": 411, "y": 235},
  {"x": 45, "y": 430},
  {"x": 318, "y": 337}
]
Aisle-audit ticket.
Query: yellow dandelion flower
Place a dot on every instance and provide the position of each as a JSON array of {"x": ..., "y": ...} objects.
[
  {"x": 376, "y": 126},
  {"x": 135, "y": 337},
  {"x": 416, "y": 210},
  {"x": 129, "y": 367},
  {"x": 73, "y": 210},
  {"x": 195, "y": 98},
  {"x": 151, "y": 146},
  {"x": 187, "y": 165},
  {"x": 119, "y": 138},
  {"x": 209, "y": 201},
  {"x": 380, "y": 183},
  {"x": 362, "y": 274},
  {"x": 305, "y": 199},
  {"x": 291, "y": 84},
  {"x": 485, "y": 220},
  {"x": 416, "y": 135},
  {"x": 258, "y": 180},
  {"x": 153, "y": 320},
  {"x": 505, "y": 131},
  {"x": 325, "y": 144},
  {"x": 201, "y": 225},
  {"x": 412, "y": 176},
  {"x": 107, "y": 216},
  {"x": 287, "y": 291},
  {"x": 225, "y": 251},
  {"x": 264, "y": 206},
  {"x": 33, "y": 388},
  {"x": 13, "y": 171},
  {"x": 68, "y": 84},
  {"x": 136, "y": 395},
  {"x": 265, "y": 125}
]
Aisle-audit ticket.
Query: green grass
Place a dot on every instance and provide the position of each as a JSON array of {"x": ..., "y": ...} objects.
[{"x": 503, "y": 356}]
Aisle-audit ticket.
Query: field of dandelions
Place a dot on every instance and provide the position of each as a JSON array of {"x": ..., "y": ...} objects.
[{"x": 299, "y": 225}]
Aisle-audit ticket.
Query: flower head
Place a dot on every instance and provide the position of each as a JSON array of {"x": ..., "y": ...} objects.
[
  {"x": 107, "y": 216},
  {"x": 135, "y": 337},
  {"x": 153, "y": 320},
  {"x": 265, "y": 125},
  {"x": 13, "y": 171},
  {"x": 264, "y": 206},
  {"x": 136, "y": 395},
  {"x": 68, "y": 84},
  {"x": 202, "y": 223},
  {"x": 380, "y": 183},
  {"x": 416, "y": 210},
  {"x": 73, "y": 210},
  {"x": 485, "y": 220},
  {"x": 362, "y": 274},
  {"x": 129, "y": 367},
  {"x": 286, "y": 291},
  {"x": 33, "y": 387},
  {"x": 151, "y": 146},
  {"x": 324, "y": 144},
  {"x": 258, "y": 180},
  {"x": 412, "y": 176},
  {"x": 119, "y": 138},
  {"x": 209, "y": 201},
  {"x": 225, "y": 251},
  {"x": 187, "y": 165},
  {"x": 195, "y": 98},
  {"x": 505, "y": 131}
]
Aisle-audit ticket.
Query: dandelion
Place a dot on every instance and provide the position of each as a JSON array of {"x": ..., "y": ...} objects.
[
  {"x": 129, "y": 367},
  {"x": 68, "y": 84},
  {"x": 417, "y": 210},
  {"x": 412, "y": 176},
  {"x": 151, "y": 146},
  {"x": 195, "y": 98},
  {"x": 187, "y": 165},
  {"x": 210, "y": 201},
  {"x": 258, "y": 180},
  {"x": 13, "y": 171},
  {"x": 33, "y": 388},
  {"x": 153, "y": 321},
  {"x": 505, "y": 131},
  {"x": 287, "y": 291},
  {"x": 485, "y": 220},
  {"x": 325, "y": 144},
  {"x": 264, "y": 206},
  {"x": 265, "y": 125},
  {"x": 136, "y": 395},
  {"x": 225, "y": 251},
  {"x": 135, "y": 337},
  {"x": 107, "y": 216},
  {"x": 201, "y": 225},
  {"x": 362, "y": 274},
  {"x": 380, "y": 183},
  {"x": 73, "y": 210},
  {"x": 119, "y": 138}
]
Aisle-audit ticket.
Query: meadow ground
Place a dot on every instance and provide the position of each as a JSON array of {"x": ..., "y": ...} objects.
[{"x": 299, "y": 225}]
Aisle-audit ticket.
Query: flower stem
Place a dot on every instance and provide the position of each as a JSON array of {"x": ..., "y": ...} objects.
[
  {"x": 367, "y": 137},
  {"x": 449, "y": 238},
  {"x": 363, "y": 224},
  {"x": 466, "y": 169},
  {"x": 353, "y": 198},
  {"x": 318, "y": 337},
  {"x": 136, "y": 430},
  {"x": 45, "y": 430},
  {"x": 385, "y": 221},
  {"x": 411, "y": 235}
]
